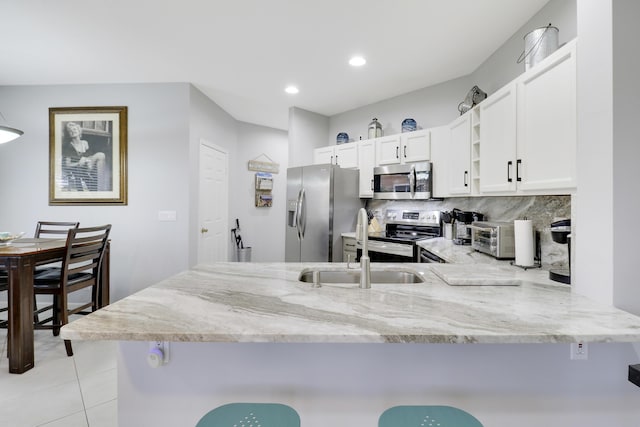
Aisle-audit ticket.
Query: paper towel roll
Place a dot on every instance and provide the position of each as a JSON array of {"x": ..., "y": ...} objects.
[{"x": 523, "y": 231}]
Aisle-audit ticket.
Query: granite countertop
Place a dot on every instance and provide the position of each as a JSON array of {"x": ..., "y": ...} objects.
[
  {"x": 457, "y": 254},
  {"x": 264, "y": 302}
]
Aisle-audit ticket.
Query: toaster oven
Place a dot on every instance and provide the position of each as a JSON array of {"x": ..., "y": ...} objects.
[{"x": 494, "y": 238}]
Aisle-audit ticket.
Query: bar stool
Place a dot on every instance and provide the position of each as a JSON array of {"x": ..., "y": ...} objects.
[
  {"x": 427, "y": 416},
  {"x": 251, "y": 415}
]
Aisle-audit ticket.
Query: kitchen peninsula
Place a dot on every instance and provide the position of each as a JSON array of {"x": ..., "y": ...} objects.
[{"x": 243, "y": 331}]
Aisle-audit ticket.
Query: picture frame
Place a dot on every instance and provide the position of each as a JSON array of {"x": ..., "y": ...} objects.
[{"x": 88, "y": 156}]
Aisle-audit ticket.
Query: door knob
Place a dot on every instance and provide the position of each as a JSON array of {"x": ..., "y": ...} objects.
[{"x": 204, "y": 230}]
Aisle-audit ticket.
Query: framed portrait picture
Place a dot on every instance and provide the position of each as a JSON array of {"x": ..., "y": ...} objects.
[{"x": 88, "y": 156}]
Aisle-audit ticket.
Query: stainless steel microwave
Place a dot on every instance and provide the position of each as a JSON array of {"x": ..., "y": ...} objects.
[{"x": 411, "y": 181}]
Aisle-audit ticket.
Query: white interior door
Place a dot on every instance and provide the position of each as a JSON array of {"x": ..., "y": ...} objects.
[{"x": 213, "y": 204}]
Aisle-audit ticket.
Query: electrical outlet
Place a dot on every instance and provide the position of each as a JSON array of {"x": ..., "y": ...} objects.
[
  {"x": 158, "y": 354},
  {"x": 579, "y": 351}
]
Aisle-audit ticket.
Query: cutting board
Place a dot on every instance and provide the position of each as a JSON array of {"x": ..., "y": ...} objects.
[{"x": 476, "y": 274}]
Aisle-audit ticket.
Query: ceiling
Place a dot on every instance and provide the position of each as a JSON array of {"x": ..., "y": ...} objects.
[{"x": 242, "y": 53}]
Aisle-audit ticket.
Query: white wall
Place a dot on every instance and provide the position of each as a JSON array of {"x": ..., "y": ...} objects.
[
  {"x": 350, "y": 385},
  {"x": 438, "y": 105},
  {"x": 262, "y": 228},
  {"x": 143, "y": 250},
  {"x": 307, "y": 130},
  {"x": 626, "y": 151},
  {"x": 209, "y": 122},
  {"x": 502, "y": 66},
  {"x": 165, "y": 122},
  {"x": 593, "y": 260},
  {"x": 429, "y": 107}
]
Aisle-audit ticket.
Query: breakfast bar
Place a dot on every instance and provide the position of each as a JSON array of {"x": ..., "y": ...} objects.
[{"x": 340, "y": 355}]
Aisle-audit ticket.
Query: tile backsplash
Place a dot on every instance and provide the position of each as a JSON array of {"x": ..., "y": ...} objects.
[{"x": 542, "y": 210}]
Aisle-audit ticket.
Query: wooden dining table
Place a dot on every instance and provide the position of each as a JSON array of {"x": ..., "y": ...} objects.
[{"x": 19, "y": 259}]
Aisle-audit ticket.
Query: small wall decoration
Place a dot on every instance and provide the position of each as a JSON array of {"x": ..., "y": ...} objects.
[
  {"x": 88, "y": 156},
  {"x": 264, "y": 185},
  {"x": 263, "y": 166}
]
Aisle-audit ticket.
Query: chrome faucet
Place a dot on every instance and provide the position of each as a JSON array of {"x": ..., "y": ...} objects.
[{"x": 362, "y": 236}]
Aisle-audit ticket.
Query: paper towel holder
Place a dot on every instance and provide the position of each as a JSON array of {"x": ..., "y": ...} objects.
[{"x": 537, "y": 258}]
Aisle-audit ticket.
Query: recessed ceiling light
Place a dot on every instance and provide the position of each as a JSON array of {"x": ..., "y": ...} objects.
[
  {"x": 357, "y": 61},
  {"x": 292, "y": 90}
]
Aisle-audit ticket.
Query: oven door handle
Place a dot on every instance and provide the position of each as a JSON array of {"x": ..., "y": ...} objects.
[{"x": 412, "y": 180}]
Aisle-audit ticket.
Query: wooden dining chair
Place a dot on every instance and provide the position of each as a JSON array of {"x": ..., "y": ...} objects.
[
  {"x": 4, "y": 287},
  {"x": 52, "y": 230},
  {"x": 80, "y": 269}
]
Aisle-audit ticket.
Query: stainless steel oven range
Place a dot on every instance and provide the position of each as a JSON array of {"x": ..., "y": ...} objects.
[{"x": 403, "y": 230}]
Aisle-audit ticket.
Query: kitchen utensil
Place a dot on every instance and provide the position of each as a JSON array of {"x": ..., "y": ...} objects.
[
  {"x": 473, "y": 98},
  {"x": 561, "y": 233},
  {"x": 408, "y": 125},
  {"x": 7, "y": 237},
  {"x": 463, "y": 219},
  {"x": 538, "y": 44},
  {"x": 342, "y": 138},
  {"x": 375, "y": 129}
]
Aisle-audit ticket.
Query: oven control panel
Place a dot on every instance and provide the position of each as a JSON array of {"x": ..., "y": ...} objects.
[{"x": 413, "y": 217}]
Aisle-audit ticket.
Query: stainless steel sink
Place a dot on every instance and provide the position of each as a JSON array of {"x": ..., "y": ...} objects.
[{"x": 353, "y": 276}]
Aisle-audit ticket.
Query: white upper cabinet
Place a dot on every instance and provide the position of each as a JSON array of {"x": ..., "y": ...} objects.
[
  {"x": 366, "y": 163},
  {"x": 440, "y": 145},
  {"x": 344, "y": 155},
  {"x": 460, "y": 155},
  {"x": 416, "y": 146},
  {"x": 547, "y": 131},
  {"x": 404, "y": 148},
  {"x": 498, "y": 141},
  {"x": 528, "y": 130},
  {"x": 388, "y": 150},
  {"x": 324, "y": 155}
]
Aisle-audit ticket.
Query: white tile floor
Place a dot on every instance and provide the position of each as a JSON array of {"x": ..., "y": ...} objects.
[{"x": 77, "y": 391}]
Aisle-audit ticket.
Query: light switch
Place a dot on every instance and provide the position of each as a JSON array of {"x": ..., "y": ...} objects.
[{"x": 166, "y": 215}]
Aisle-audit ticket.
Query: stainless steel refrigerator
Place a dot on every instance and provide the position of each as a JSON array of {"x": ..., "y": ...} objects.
[{"x": 322, "y": 203}]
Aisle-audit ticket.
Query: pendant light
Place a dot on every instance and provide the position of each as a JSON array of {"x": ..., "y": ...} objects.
[{"x": 8, "y": 133}]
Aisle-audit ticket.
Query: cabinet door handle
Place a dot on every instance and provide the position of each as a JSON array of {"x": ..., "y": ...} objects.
[
  {"x": 405, "y": 151},
  {"x": 336, "y": 159},
  {"x": 518, "y": 163},
  {"x": 509, "y": 165},
  {"x": 332, "y": 159},
  {"x": 371, "y": 185},
  {"x": 397, "y": 155},
  {"x": 466, "y": 174}
]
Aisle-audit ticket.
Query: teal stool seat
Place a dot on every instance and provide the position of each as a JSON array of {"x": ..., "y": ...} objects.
[
  {"x": 427, "y": 416},
  {"x": 251, "y": 415}
]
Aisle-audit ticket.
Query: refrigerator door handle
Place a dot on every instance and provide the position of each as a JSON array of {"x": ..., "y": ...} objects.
[
  {"x": 303, "y": 213},
  {"x": 297, "y": 214}
]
